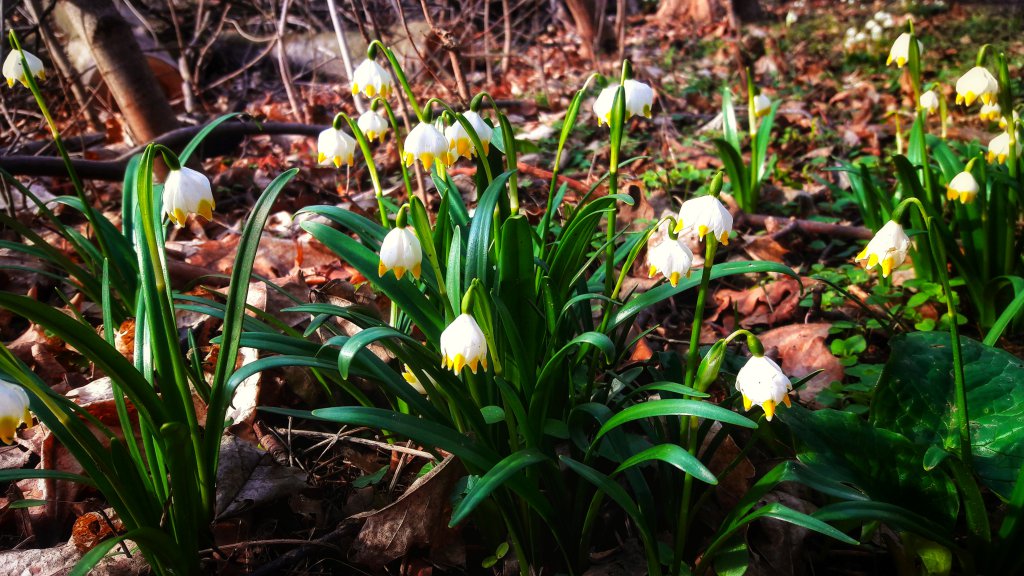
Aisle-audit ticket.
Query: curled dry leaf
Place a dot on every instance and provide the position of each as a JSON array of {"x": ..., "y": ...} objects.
[{"x": 803, "y": 350}]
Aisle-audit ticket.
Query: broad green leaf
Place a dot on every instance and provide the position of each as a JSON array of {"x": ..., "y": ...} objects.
[
  {"x": 891, "y": 514},
  {"x": 480, "y": 237},
  {"x": 674, "y": 407},
  {"x": 11, "y": 475},
  {"x": 493, "y": 479},
  {"x": 676, "y": 456}
]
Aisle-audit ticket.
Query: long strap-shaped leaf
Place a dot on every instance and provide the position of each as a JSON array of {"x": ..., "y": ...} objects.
[
  {"x": 493, "y": 479},
  {"x": 478, "y": 245},
  {"x": 674, "y": 407}
]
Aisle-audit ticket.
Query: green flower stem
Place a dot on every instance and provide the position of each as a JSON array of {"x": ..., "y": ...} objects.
[
  {"x": 398, "y": 143},
  {"x": 688, "y": 427},
  {"x": 751, "y": 113},
  {"x": 399, "y": 73},
  {"x": 617, "y": 125},
  {"x": 364, "y": 146},
  {"x": 509, "y": 141},
  {"x": 478, "y": 145}
]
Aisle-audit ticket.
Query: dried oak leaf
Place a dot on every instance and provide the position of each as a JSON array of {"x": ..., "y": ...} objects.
[{"x": 803, "y": 350}]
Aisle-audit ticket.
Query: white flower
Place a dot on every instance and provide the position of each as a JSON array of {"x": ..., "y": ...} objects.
[
  {"x": 1002, "y": 120},
  {"x": 791, "y": 18},
  {"x": 977, "y": 83},
  {"x": 762, "y": 105},
  {"x": 672, "y": 259},
  {"x": 463, "y": 344},
  {"x": 990, "y": 112},
  {"x": 874, "y": 29},
  {"x": 888, "y": 248},
  {"x": 929, "y": 101},
  {"x": 639, "y": 99},
  {"x": 400, "y": 251},
  {"x": 850, "y": 33},
  {"x": 962, "y": 186},
  {"x": 14, "y": 72},
  {"x": 371, "y": 79},
  {"x": 413, "y": 381},
  {"x": 762, "y": 383},
  {"x": 459, "y": 143},
  {"x": 999, "y": 148},
  {"x": 426, "y": 143},
  {"x": 335, "y": 146},
  {"x": 900, "y": 52},
  {"x": 13, "y": 410},
  {"x": 706, "y": 214},
  {"x": 603, "y": 105},
  {"x": 372, "y": 125},
  {"x": 860, "y": 38},
  {"x": 185, "y": 192}
]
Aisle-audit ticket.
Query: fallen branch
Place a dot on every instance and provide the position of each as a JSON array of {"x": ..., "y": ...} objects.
[{"x": 808, "y": 226}]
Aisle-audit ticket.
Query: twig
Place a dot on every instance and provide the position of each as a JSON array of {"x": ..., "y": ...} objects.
[
  {"x": 506, "y": 47},
  {"x": 339, "y": 32},
  {"x": 282, "y": 63}
]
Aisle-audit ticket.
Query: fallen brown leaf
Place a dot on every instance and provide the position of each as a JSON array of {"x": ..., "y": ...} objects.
[{"x": 802, "y": 350}]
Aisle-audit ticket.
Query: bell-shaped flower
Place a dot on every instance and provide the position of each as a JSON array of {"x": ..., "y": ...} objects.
[
  {"x": 791, "y": 18},
  {"x": 1016, "y": 120},
  {"x": 990, "y": 112},
  {"x": 762, "y": 383},
  {"x": 962, "y": 186},
  {"x": 187, "y": 192},
  {"x": 977, "y": 83},
  {"x": 463, "y": 344},
  {"x": 335, "y": 147},
  {"x": 900, "y": 51},
  {"x": 426, "y": 143},
  {"x": 14, "y": 72},
  {"x": 706, "y": 214},
  {"x": 639, "y": 98},
  {"x": 874, "y": 29},
  {"x": 929, "y": 101},
  {"x": 672, "y": 259},
  {"x": 603, "y": 105},
  {"x": 371, "y": 79},
  {"x": 13, "y": 410},
  {"x": 762, "y": 105},
  {"x": 400, "y": 251},
  {"x": 459, "y": 143},
  {"x": 413, "y": 381},
  {"x": 888, "y": 248},
  {"x": 999, "y": 148},
  {"x": 372, "y": 125}
]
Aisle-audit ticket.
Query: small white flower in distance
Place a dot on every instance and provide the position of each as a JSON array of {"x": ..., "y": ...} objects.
[
  {"x": 400, "y": 251},
  {"x": 463, "y": 344},
  {"x": 762, "y": 383},
  {"x": 459, "y": 143},
  {"x": 13, "y": 71},
  {"x": 371, "y": 79},
  {"x": 990, "y": 112},
  {"x": 672, "y": 259},
  {"x": 706, "y": 214},
  {"x": 900, "y": 51},
  {"x": 373, "y": 125},
  {"x": 977, "y": 83},
  {"x": 929, "y": 101},
  {"x": 962, "y": 186},
  {"x": 888, "y": 248},
  {"x": 426, "y": 143},
  {"x": 13, "y": 410},
  {"x": 791, "y": 18},
  {"x": 999, "y": 148},
  {"x": 762, "y": 105},
  {"x": 187, "y": 192},
  {"x": 335, "y": 147}
]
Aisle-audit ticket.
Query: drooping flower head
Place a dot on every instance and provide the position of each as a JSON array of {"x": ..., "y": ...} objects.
[
  {"x": 900, "y": 51},
  {"x": 187, "y": 192},
  {"x": 426, "y": 143},
  {"x": 706, "y": 214},
  {"x": 335, "y": 147},
  {"x": 463, "y": 344},
  {"x": 371, "y": 79},
  {"x": 13, "y": 71},
  {"x": 459, "y": 143},
  {"x": 762, "y": 383},
  {"x": 888, "y": 248},
  {"x": 962, "y": 186},
  {"x": 13, "y": 410},
  {"x": 977, "y": 83},
  {"x": 639, "y": 99},
  {"x": 372, "y": 125},
  {"x": 990, "y": 112},
  {"x": 400, "y": 251},
  {"x": 671, "y": 258},
  {"x": 413, "y": 381},
  {"x": 762, "y": 105},
  {"x": 929, "y": 101},
  {"x": 999, "y": 148},
  {"x": 1015, "y": 117}
]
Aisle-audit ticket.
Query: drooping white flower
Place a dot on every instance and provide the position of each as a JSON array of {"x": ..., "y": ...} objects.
[
  {"x": 400, "y": 251},
  {"x": 413, "y": 381},
  {"x": 962, "y": 186},
  {"x": 706, "y": 214},
  {"x": 426, "y": 143},
  {"x": 639, "y": 99},
  {"x": 335, "y": 147},
  {"x": 791, "y": 18},
  {"x": 459, "y": 143},
  {"x": 977, "y": 83},
  {"x": 999, "y": 148},
  {"x": 603, "y": 105},
  {"x": 671, "y": 258},
  {"x": 888, "y": 248},
  {"x": 990, "y": 112},
  {"x": 371, "y": 79},
  {"x": 1015, "y": 117},
  {"x": 13, "y": 410},
  {"x": 900, "y": 51},
  {"x": 762, "y": 383},
  {"x": 14, "y": 72},
  {"x": 372, "y": 125},
  {"x": 929, "y": 101},
  {"x": 187, "y": 192},
  {"x": 463, "y": 344},
  {"x": 874, "y": 29},
  {"x": 762, "y": 105}
]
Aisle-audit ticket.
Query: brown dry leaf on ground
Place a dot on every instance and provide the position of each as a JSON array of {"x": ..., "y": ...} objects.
[
  {"x": 802, "y": 349},
  {"x": 769, "y": 304},
  {"x": 248, "y": 477},
  {"x": 419, "y": 518}
]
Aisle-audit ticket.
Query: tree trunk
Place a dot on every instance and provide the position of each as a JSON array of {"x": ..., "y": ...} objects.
[
  {"x": 585, "y": 16},
  {"x": 122, "y": 65},
  {"x": 704, "y": 11}
]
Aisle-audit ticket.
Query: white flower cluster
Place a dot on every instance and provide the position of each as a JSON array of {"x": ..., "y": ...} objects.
[{"x": 871, "y": 33}]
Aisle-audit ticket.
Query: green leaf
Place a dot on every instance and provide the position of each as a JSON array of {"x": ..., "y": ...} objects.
[
  {"x": 23, "y": 473},
  {"x": 914, "y": 397},
  {"x": 370, "y": 232},
  {"x": 493, "y": 479},
  {"x": 479, "y": 243},
  {"x": 492, "y": 414},
  {"x": 891, "y": 514},
  {"x": 196, "y": 140},
  {"x": 777, "y": 511},
  {"x": 675, "y": 455},
  {"x": 370, "y": 479},
  {"x": 153, "y": 542},
  {"x": 674, "y": 407}
]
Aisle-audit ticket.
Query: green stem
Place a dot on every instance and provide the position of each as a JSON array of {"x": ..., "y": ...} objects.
[
  {"x": 400, "y": 74},
  {"x": 364, "y": 147},
  {"x": 398, "y": 144},
  {"x": 511, "y": 156}
]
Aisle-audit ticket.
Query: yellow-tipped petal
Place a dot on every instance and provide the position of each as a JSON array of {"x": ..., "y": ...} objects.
[
  {"x": 872, "y": 260},
  {"x": 769, "y": 409},
  {"x": 371, "y": 91},
  {"x": 427, "y": 159},
  {"x": 988, "y": 98},
  {"x": 337, "y": 161},
  {"x": 458, "y": 363},
  {"x": 887, "y": 267},
  {"x": 473, "y": 364},
  {"x": 965, "y": 198},
  {"x": 410, "y": 159},
  {"x": 355, "y": 88},
  {"x": 951, "y": 194},
  {"x": 652, "y": 271},
  {"x": 381, "y": 269},
  {"x": 862, "y": 255},
  {"x": 674, "y": 279},
  {"x": 179, "y": 216},
  {"x": 724, "y": 239},
  {"x": 8, "y": 426},
  {"x": 320, "y": 158},
  {"x": 969, "y": 98},
  {"x": 899, "y": 64},
  {"x": 416, "y": 271},
  {"x": 787, "y": 401},
  {"x": 444, "y": 362},
  {"x": 487, "y": 147},
  {"x": 483, "y": 361},
  {"x": 205, "y": 209},
  {"x": 746, "y": 402},
  {"x": 399, "y": 272},
  {"x": 10, "y": 82},
  {"x": 888, "y": 61},
  {"x": 702, "y": 230}
]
